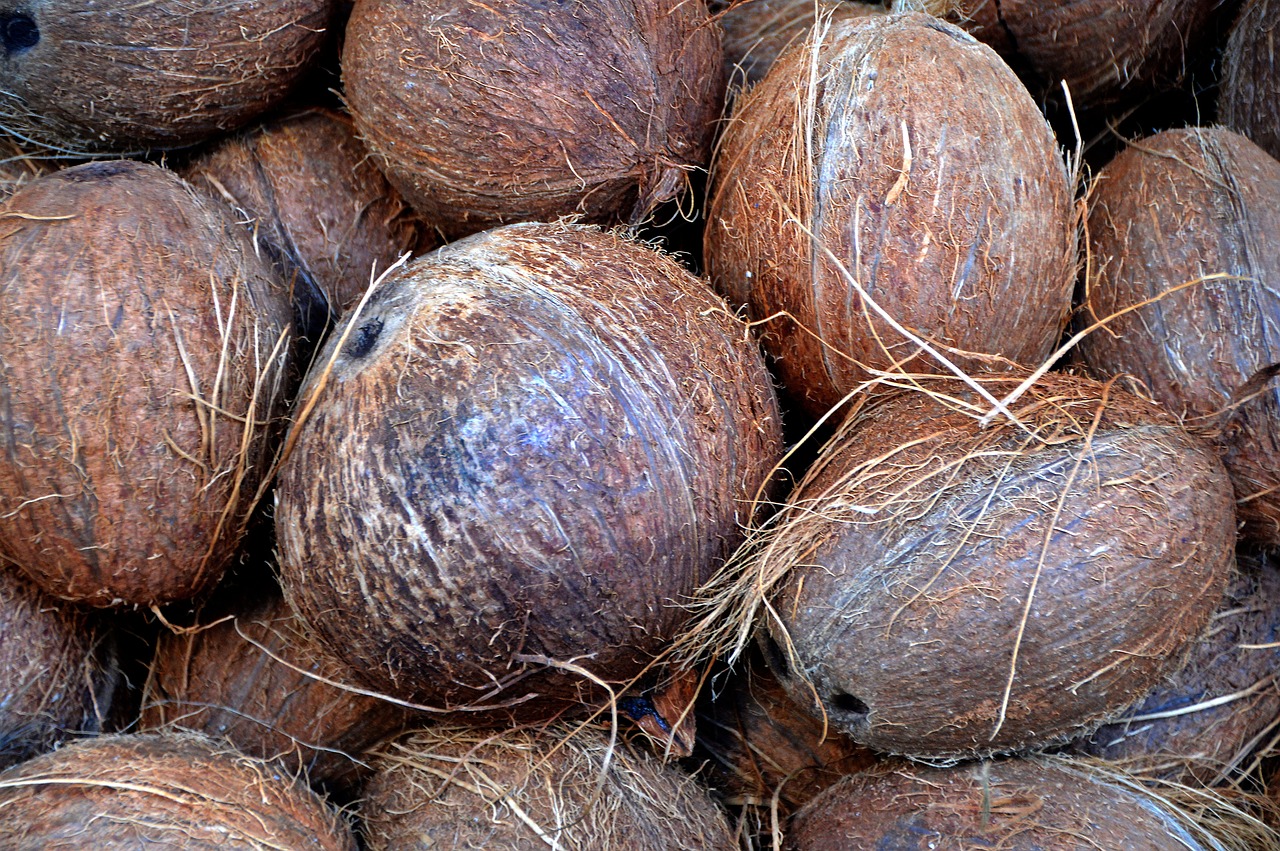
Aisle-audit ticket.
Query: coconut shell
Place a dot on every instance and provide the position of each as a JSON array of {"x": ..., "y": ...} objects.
[
  {"x": 526, "y": 451},
  {"x": 1170, "y": 211},
  {"x": 952, "y": 212},
  {"x": 194, "y": 68},
  {"x": 172, "y": 791},
  {"x": 948, "y": 590},
  {"x": 485, "y": 114},
  {"x": 755, "y": 32},
  {"x": 1249, "y": 94},
  {"x": 141, "y": 359},
  {"x": 463, "y": 788}
]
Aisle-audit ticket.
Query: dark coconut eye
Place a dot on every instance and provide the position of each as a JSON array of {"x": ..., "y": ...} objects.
[{"x": 19, "y": 33}]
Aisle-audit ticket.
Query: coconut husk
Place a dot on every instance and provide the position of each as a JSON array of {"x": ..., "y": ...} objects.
[
  {"x": 170, "y": 791},
  {"x": 17, "y": 167},
  {"x": 142, "y": 361},
  {"x": 876, "y": 216},
  {"x": 1183, "y": 234},
  {"x": 1249, "y": 94},
  {"x": 566, "y": 788},
  {"x": 521, "y": 112},
  {"x": 513, "y": 463}
]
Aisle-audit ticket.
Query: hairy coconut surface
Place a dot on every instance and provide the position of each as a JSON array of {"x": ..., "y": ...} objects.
[
  {"x": 110, "y": 76},
  {"x": 863, "y": 174},
  {"x": 254, "y": 678},
  {"x": 454, "y": 787},
  {"x": 485, "y": 114},
  {"x": 1184, "y": 233},
  {"x": 1249, "y": 94},
  {"x": 141, "y": 355},
  {"x": 524, "y": 452},
  {"x": 164, "y": 791},
  {"x": 17, "y": 167}
]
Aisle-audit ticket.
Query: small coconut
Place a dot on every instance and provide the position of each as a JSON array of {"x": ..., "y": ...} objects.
[
  {"x": 863, "y": 174},
  {"x": 484, "y": 114},
  {"x": 164, "y": 791},
  {"x": 515, "y": 462},
  {"x": 1249, "y": 95},
  {"x": 141, "y": 360},
  {"x": 1189, "y": 221},
  {"x": 563, "y": 787},
  {"x": 114, "y": 76}
]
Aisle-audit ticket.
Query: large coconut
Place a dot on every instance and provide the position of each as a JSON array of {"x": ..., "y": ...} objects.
[
  {"x": 489, "y": 113},
  {"x": 115, "y": 76},
  {"x": 891, "y": 159},
  {"x": 1190, "y": 221},
  {"x": 1249, "y": 97},
  {"x": 525, "y": 791},
  {"x": 524, "y": 453},
  {"x": 141, "y": 356},
  {"x": 173, "y": 791}
]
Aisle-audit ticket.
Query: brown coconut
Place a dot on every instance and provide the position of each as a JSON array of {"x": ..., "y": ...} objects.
[
  {"x": 484, "y": 114},
  {"x": 1249, "y": 94},
  {"x": 141, "y": 357},
  {"x": 562, "y": 787},
  {"x": 942, "y": 589},
  {"x": 254, "y": 678},
  {"x": 114, "y": 76},
  {"x": 170, "y": 791},
  {"x": 1190, "y": 219},
  {"x": 877, "y": 171},
  {"x": 523, "y": 454}
]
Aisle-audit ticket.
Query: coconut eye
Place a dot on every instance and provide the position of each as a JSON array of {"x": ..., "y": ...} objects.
[
  {"x": 366, "y": 337},
  {"x": 19, "y": 33},
  {"x": 846, "y": 702}
]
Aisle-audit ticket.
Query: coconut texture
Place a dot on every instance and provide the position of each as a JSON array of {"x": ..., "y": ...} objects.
[
  {"x": 1172, "y": 210},
  {"x": 17, "y": 167},
  {"x": 527, "y": 450},
  {"x": 253, "y": 678},
  {"x": 172, "y": 791},
  {"x": 1014, "y": 805},
  {"x": 110, "y": 76},
  {"x": 866, "y": 160},
  {"x": 1249, "y": 95},
  {"x": 948, "y": 590},
  {"x": 468, "y": 789},
  {"x": 484, "y": 114},
  {"x": 141, "y": 356}
]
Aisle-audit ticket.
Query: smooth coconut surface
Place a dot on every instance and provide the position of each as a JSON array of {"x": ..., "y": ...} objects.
[
  {"x": 1189, "y": 220},
  {"x": 141, "y": 361},
  {"x": 484, "y": 114},
  {"x": 863, "y": 171},
  {"x": 1249, "y": 94},
  {"x": 516, "y": 462}
]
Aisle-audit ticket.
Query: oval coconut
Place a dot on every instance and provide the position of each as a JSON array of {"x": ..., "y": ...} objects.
[
  {"x": 949, "y": 590},
  {"x": 1013, "y": 805},
  {"x": 141, "y": 357},
  {"x": 194, "y": 68},
  {"x": 526, "y": 451},
  {"x": 878, "y": 171},
  {"x": 1191, "y": 220},
  {"x": 1249, "y": 94},
  {"x": 486, "y": 114},
  {"x": 172, "y": 791},
  {"x": 520, "y": 790},
  {"x": 254, "y": 678}
]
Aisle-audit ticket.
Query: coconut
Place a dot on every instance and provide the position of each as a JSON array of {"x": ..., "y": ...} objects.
[
  {"x": 1184, "y": 233},
  {"x": 515, "y": 462},
  {"x": 1249, "y": 97},
  {"x": 485, "y": 114},
  {"x": 173, "y": 791},
  {"x": 863, "y": 175},
  {"x": 455, "y": 787},
  {"x": 141, "y": 357},
  {"x": 194, "y": 68}
]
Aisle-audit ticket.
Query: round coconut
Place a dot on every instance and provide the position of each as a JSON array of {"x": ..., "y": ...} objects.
[
  {"x": 1184, "y": 232},
  {"x": 172, "y": 791},
  {"x": 516, "y": 462},
  {"x": 114, "y": 76},
  {"x": 306, "y": 187},
  {"x": 1014, "y": 805},
  {"x": 141, "y": 357},
  {"x": 863, "y": 175},
  {"x": 1249, "y": 94},
  {"x": 561, "y": 788},
  {"x": 485, "y": 114},
  {"x": 944, "y": 589},
  {"x": 254, "y": 678}
]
